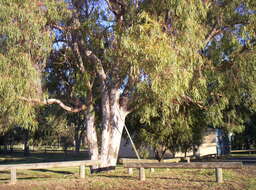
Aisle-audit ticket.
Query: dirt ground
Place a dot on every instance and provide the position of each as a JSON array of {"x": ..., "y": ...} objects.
[{"x": 118, "y": 179}]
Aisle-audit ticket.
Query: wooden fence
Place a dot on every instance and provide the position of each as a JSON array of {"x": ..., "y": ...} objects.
[
  {"x": 218, "y": 166},
  {"x": 82, "y": 164},
  {"x": 250, "y": 151},
  {"x": 131, "y": 160}
]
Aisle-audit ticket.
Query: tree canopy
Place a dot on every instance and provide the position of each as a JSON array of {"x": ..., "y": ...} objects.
[
  {"x": 107, "y": 58},
  {"x": 25, "y": 41}
]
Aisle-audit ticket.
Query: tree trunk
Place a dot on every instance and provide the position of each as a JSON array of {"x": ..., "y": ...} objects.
[
  {"x": 78, "y": 138},
  {"x": 106, "y": 129},
  {"x": 5, "y": 148},
  {"x": 26, "y": 148},
  {"x": 118, "y": 122},
  {"x": 77, "y": 145},
  {"x": 26, "y": 144},
  {"x": 91, "y": 133},
  {"x": 111, "y": 139},
  {"x": 113, "y": 124}
]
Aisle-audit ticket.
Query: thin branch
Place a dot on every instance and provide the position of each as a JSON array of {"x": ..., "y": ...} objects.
[
  {"x": 212, "y": 34},
  {"x": 80, "y": 59},
  {"x": 109, "y": 5},
  {"x": 58, "y": 27},
  {"x": 64, "y": 28},
  {"x": 54, "y": 101},
  {"x": 97, "y": 62},
  {"x": 189, "y": 99}
]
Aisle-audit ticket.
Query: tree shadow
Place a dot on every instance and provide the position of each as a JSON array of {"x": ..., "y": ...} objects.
[
  {"x": 40, "y": 156},
  {"x": 7, "y": 180},
  {"x": 117, "y": 176},
  {"x": 179, "y": 179},
  {"x": 52, "y": 171},
  {"x": 4, "y": 172}
]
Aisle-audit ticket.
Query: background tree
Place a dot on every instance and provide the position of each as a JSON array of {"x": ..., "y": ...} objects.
[
  {"x": 247, "y": 138},
  {"x": 25, "y": 41},
  {"x": 176, "y": 130}
]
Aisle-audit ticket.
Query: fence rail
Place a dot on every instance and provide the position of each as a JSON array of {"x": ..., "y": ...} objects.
[
  {"x": 242, "y": 151},
  {"x": 195, "y": 165},
  {"x": 82, "y": 164},
  {"x": 218, "y": 166},
  {"x": 132, "y": 160}
]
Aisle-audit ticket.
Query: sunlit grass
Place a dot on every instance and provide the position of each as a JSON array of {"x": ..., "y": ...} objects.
[{"x": 68, "y": 178}]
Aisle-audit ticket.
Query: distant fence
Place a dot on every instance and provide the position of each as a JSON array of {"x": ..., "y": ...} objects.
[
  {"x": 14, "y": 167},
  {"x": 41, "y": 148},
  {"x": 250, "y": 151}
]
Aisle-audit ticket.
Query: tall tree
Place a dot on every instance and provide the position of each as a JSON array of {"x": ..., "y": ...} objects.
[
  {"x": 132, "y": 48},
  {"x": 129, "y": 51}
]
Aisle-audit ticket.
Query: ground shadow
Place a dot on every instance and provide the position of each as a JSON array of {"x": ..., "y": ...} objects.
[
  {"x": 4, "y": 172},
  {"x": 52, "y": 171},
  {"x": 7, "y": 180},
  {"x": 150, "y": 177},
  {"x": 116, "y": 176},
  {"x": 35, "y": 157},
  {"x": 179, "y": 179}
]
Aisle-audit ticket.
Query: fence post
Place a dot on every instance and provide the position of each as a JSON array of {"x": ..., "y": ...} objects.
[
  {"x": 82, "y": 171},
  {"x": 152, "y": 170},
  {"x": 219, "y": 176},
  {"x": 13, "y": 176},
  {"x": 142, "y": 174},
  {"x": 130, "y": 171}
]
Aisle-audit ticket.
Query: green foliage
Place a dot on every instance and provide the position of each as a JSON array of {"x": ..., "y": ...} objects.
[
  {"x": 52, "y": 124},
  {"x": 230, "y": 66},
  {"x": 247, "y": 138},
  {"x": 161, "y": 57},
  {"x": 25, "y": 40},
  {"x": 173, "y": 57},
  {"x": 168, "y": 130}
]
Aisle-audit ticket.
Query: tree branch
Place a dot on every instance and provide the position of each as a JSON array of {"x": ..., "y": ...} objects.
[
  {"x": 60, "y": 28},
  {"x": 97, "y": 62},
  {"x": 212, "y": 34},
  {"x": 79, "y": 57},
  {"x": 54, "y": 101},
  {"x": 189, "y": 99}
]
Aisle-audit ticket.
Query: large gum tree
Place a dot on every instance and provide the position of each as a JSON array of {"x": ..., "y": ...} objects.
[{"x": 122, "y": 51}]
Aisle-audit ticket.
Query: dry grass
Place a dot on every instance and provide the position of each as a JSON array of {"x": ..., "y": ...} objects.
[
  {"x": 187, "y": 179},
  {"x": 68, "y": 178}
]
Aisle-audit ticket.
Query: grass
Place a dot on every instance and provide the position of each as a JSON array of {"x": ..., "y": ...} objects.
[
  {"x": 161, "y": 179},
  {"x": 67, "y": 178},
  {"x": 18, "y": 157}
]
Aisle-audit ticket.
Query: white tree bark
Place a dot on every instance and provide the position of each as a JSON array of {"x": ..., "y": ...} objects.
[
  {"x": 118, "y": 123},
  {"x": 106, "y": 129},
  {"x": 91, "y": 133},
  {"x": 91, "y": 136},
  {"x": 113, "y": 122}
]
